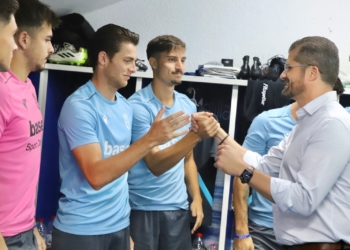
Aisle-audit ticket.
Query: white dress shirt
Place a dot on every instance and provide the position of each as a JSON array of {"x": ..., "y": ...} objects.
[{"x": 310, "y": 172}]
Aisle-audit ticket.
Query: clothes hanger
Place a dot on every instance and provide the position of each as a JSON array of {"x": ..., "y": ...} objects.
[{"x": 191, "y": 90}]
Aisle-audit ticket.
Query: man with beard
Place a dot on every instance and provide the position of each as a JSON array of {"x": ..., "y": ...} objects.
[
  {"x": 307, "y": 175},
  {"x": 267, "y": 129},
  {"x": 157, "y": 184},
  {"x": 21, "y": 126},
  {"x": 94, "y": 131}
]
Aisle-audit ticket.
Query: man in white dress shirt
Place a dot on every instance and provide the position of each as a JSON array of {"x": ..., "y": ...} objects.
[{"x": 307, "y": 176}]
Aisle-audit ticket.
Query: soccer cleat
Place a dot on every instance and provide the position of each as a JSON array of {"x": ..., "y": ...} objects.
[
  {"x": 245, "y": 69},
  {"x": 255, "y": 70},
  {"x": 140, "y": 65},
  {"x": 69, "y": 55}
]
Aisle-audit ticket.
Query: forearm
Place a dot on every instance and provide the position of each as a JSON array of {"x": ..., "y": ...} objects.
[
  {"x": 269, "y": 163},
  {"x": 2, "y": 243},
  {"x": 240, "y": 203},
  {"x": 191, "y": 179},
  {"x": 261, "y": 183},
  {"x": 220, "y": 136},
  {"x": 106, "y": 170},
  {"x": 163, "y": 160}
]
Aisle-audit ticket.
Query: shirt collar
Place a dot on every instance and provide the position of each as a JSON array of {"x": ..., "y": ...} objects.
[{"x": 317, "y": 103}]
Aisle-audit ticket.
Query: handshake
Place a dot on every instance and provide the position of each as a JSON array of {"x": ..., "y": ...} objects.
[{"x": 203, "y": 125}]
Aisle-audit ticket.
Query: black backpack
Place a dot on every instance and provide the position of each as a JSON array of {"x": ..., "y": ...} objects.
[
  {"x": 274, "y": 68},
  {"x": 74, "y": 29}
]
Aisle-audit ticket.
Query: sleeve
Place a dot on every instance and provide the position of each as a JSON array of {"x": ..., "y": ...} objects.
[
  {"x": 257, "y": 134},
  {"x": 78, "y": 123},
  {"x": 194, "y": 108},
  {"x": 256, "y": 143},
  {"x": 271, "y": 162},
  {"x": 347, "y": 109},
  {"x": 325, "y": 158},
  {"x": 141, "y": 121},
  {"x": 5, "y": 107}
]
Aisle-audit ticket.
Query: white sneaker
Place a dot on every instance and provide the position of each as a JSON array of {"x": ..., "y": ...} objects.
[{"x": 69, "y": 55}]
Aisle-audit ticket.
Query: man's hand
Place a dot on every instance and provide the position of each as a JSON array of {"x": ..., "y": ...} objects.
[
  {"x": 197, "y": 211},
  {"x": 229, "y": 160},
  {"x": 131, "y": 244},
  {"x": 39, "y": 240},
  {"x": 204, "y": 124},
  {"x": 163, "y": 130},
  {"x": 198, "y": 116},
  {"x": 243, "y": 244}
]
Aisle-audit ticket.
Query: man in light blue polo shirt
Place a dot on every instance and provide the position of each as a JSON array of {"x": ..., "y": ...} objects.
[
  {"x": 94, "y": 130},
  {"x": 159, "y": 209}
]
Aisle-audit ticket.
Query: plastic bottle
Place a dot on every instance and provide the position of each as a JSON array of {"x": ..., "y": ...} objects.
[
  {"x": 198, "y": 242},
  {"x": 49, "y": 232},
  {"x": 42, "y": 228},
  {"x": 212, "y": 246}
]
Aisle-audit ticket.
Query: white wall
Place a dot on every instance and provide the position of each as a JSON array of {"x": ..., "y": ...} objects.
[
  {"x": 215, "y": 29},
  {"x": 62, "y": 7}
]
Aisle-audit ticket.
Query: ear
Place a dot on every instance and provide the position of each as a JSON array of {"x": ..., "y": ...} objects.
[
  {"x": 103, "y": 58},
  {"x": 153, "y": 62},
  {"x": 23, "y": 40},
  {"x": 313, "y": 73}
]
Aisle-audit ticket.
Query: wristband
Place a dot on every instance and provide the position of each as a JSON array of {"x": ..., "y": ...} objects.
[
  {"x": 242, "y": 236},
  {"x": 224, "y": 139}
]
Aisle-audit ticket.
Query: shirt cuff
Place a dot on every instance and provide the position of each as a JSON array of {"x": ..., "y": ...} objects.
[
  {"x": 252, "y": 158},
  {"x": 280, "y": 193}
]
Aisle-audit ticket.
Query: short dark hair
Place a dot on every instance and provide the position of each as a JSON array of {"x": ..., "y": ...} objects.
[
  {"x": 7, "y": 9},
  {"x": 338, "y": 86},
  {"x": 321, "y": 52},
  {"x": 165, "y": 43},
  {"x": 32, "y": 14},
  {"x": 109, "y": 39}
]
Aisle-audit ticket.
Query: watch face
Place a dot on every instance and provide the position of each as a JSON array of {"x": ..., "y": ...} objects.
[{"x": 246, "y": 176}]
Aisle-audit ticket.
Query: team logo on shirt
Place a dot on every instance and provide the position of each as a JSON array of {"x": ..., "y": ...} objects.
[
  {"x": 105, "y": 119},
  {"x": 126, "y": 119},
  {"x": 36, "y": 100},
  {"x": 24, "y": 101}
]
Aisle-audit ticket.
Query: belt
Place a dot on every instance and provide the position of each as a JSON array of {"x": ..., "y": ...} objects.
[{"x": 341, "y": 245}]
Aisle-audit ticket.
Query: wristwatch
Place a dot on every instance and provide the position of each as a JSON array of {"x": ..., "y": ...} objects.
[{"x": 247, "y": 174}]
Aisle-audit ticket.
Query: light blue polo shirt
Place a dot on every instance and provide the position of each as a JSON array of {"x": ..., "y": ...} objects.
[
  {"x": 87, "y": 117},
  {"x": 267, "y": 129},
  {"x": 168, "y": 191}
]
